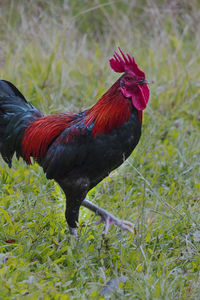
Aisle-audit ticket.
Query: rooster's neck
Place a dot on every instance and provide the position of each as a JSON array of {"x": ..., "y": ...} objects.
[{"x": 110, "y": 112}]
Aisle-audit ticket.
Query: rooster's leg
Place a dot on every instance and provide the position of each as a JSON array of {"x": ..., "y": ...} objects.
[{"x": 107, "y": 217}]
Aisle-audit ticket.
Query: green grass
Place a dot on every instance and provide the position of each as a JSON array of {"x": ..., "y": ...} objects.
[{"x": 56, "y": 53}]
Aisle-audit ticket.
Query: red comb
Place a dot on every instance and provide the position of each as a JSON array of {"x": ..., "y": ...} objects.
[{"x": 126, "y": 63}]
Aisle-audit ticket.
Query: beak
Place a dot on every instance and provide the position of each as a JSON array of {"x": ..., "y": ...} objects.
[{"x": 144, "y": 81}]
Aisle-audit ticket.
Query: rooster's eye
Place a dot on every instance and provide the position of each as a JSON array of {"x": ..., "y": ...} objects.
[{"x": 128, "y": 79}]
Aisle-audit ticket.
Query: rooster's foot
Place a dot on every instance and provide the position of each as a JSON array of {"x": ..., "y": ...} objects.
[
  {"x": 73, "y": 231},
  {"x": 108, "y": 218}
]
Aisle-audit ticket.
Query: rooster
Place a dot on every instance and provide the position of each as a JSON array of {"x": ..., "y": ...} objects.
[{"x": 78, "y": 150}]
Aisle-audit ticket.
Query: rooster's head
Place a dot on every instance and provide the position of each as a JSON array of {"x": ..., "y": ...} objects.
[{"x": 132, "y": 83}]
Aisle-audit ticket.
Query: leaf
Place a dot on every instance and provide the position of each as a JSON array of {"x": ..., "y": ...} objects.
[
  {"x": 148, "y": 237},
  {"x": 93, "y": 294},
  {"x": 139, "y": 267},
  {"x": 8, "y": 219}
]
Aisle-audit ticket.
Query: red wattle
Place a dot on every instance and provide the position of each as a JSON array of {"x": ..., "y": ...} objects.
[
  {"x": 139, "y": 95},
  {"x": 138, "y": 100},
  {"x": 140, "y": 113}
]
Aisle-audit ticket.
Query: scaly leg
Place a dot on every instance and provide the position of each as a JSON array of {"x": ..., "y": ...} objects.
[{"x": 107, "y": 217}]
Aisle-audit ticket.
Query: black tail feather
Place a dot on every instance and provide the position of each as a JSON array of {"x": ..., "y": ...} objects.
[
  {"x": 8, "y": 89},
  {"x": 16, "y": 114}
]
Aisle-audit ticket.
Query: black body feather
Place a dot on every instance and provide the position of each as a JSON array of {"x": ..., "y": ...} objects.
[{"x": 77, "y": 166}]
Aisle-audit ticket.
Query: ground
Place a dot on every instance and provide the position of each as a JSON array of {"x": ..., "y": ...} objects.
[{"x": 56, "y": 53}]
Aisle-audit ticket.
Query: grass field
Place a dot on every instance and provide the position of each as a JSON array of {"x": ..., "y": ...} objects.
[{"x": 56, "y": 53}]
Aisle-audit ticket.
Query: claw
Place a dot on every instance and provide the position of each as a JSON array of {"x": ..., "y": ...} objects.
[{"x": 108, "y": 218}]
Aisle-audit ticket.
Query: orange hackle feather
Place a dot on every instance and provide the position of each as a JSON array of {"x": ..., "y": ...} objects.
[
  {"x": 110, "y": 112},
  {"x": 41, "y": 133}
]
